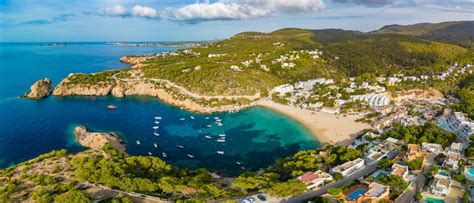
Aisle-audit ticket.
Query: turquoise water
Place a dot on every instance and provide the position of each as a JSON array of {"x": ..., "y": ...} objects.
[
  {"x": 255, "y": 137},
  {"x": 356, "y": 194},
  {"x": 433, "y": 200},
  {"x": 471, "y": 172}
]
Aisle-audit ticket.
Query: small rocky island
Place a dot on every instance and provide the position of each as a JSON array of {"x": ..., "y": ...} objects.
[
  {"x": 97, "y": 140},
  {"x": 41, "y": 88}
]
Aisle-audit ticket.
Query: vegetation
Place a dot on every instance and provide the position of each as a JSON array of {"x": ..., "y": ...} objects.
[
  {"x": 396, "y": 183},
  {"x": 466, "y": 94},
  {"x": 415, "y": 164},
  {"x": 419, "y": 134},
  {"x": 384, "y": 163}
]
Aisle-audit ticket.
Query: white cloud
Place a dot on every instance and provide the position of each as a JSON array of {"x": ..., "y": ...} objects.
[
  {"x": 117, "y": 10},
  {"x": 143, "y": 11},
  {"x": 240, "y": 9}
]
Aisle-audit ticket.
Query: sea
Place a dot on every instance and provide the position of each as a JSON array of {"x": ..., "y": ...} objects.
[{"x": 254, "y": 138}]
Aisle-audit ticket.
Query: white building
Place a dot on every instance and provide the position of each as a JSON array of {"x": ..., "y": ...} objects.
[
  {"x": 316, "y": 179},
  {"x": 334, "y": 111},
  {"x": 458, "y": 123},
  {"x": 441, "y": 184},
  {"x": 432, "y": 147},
  {"x": 349, "y": 167},
  {"x": 283, "y": 89},
  {"x": 374, "y": 100}
]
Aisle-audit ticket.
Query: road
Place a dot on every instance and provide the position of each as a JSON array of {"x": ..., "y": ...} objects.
[{"x": 368, "y": 169}]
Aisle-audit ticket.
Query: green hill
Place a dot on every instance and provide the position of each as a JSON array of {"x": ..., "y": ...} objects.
[{"x": 456, "y": 32}]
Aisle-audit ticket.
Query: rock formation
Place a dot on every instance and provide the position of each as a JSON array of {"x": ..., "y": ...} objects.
[
  {"x": 41, "y": 88},
  {"x": 97, "y": 140}
]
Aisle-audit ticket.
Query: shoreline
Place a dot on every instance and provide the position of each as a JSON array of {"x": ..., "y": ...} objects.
[{"x": 326, "y": 128}]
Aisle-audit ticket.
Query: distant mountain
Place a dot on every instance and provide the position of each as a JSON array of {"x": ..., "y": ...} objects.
[{"x": 455, "y": 32}]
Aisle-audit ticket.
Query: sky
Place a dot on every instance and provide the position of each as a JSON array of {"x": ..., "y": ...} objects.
[{"x": 188, "y": 20}]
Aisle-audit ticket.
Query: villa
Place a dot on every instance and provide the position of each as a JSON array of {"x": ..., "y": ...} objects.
[
  {"x": 348, "y": 167},
  {"x": 432, "y": 147},
  {"x": 400, "y": 169},
  {"x": 328, "y": 110},
  {"x": 469, "y": 172},
  {"x": 414, "y": 152},
  {"x": 374, "y": 100},
  {"x": 452, "y": 160},
  {"x": 376, "y": 193},
  {"x": 283, "y": 89},
  {"x": 314, "y": 180},
  {"x": 458, "y": 123},
  {"x": 441, "y": 184},
  {"x": 376, "y": 151}
]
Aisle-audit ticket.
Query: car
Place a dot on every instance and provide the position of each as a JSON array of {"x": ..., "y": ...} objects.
[{"x": 262, "y": 198}]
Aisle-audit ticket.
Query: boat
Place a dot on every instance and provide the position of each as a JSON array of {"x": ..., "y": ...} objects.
[
  {"x": 220, "y": 152},
  {"x": 149, "y": 153},
  {"x": 243, "y": 168},
  {"x": 154, "y": 144},
  {"x": 220, "y": 140},
  {"x": 180, "y": 146},
  {"x": 181, "y": 119},
  {"x": 157, "y": 122},
  {"x": 158, "y": 117},
  {"x": 111, "y": 107},
  {"x": 218, "y": 120},
  {"x": 219, "y": 124},
  {"x": 238, "y": 163},
  {"x": 192, "y": 117},
  {"x": 138, "y": 142},
  {"x": 190, "y": 156},
  {"x": 207, "y": 118},
  {"x": 208, "y": 137},
  {"x": 209, "y": 126},
  {"x": 221, "y": 135},
  {"x": 156, "y": 134},
  {"x": 156, "y": 127},
  {"x": 216, "y": 117},
  {"x": 164, "y": 155}
]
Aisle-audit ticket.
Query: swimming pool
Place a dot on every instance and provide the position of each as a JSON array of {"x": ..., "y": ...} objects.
[
  {"x": 471, "y": 171},
  {"x": 380, "y": 176},
  {"x": 433, "y": 200},
  {"x": 357, "y": 193},
  {"x": 443, "y": 173}
]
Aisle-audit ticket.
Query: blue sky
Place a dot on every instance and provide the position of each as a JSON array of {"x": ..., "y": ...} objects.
[{"x": 173, "y": 20}]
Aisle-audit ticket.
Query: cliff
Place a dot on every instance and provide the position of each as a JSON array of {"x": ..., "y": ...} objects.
[
  {"x": 41, "y": 88},
  {"x": 97, "y": 140}
]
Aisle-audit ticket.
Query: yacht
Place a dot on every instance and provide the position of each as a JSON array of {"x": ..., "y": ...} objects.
[
  {"x": 190, "y": 156},
  {"x": 207, "y": 118},
  {"x": 180, "y": 146},
  {"x": 208, "y": 137},
  {"x": 220, "y": 152},
  {"x": 156, "y": 127},
  {"x": 138, "y": 142},
  {"x": 181, "y": 119},
  {"x": 158, "y": 118},
  {"x": 220, "y": 140},
  {"x": 215, "y": 118},
  {"x": 157, "y": 122},
  {"x": 209, "y": 126},
  {"x": 221, "y": 135},
  {"x": 192, "y": 117},
  {"x": 154, "y": 144},
  {"x": 111, "y": 107},
  {"x": 156, "y": 134},
  {"x": 164, "y": 155},
  {"x": 219, "y": 124},
  {"x": 149, "y": 153},
  {"x": 238, "y": 163}
]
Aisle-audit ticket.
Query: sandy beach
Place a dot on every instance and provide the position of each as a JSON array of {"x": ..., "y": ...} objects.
[{"x": 326, "y": 128}]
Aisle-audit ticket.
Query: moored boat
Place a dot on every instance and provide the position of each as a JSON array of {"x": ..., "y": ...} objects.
[
  {"x": 111, "y": 107},
  {"x": 180, "y": 146},
  {"x": 154, "y": 144},
  {"x": 190, "y": 156},
  {"x": 156, "y": 127},
  {"x": 164, "y": 155},
  {"x": 138, "y": 142},
  {"x": 220, "y": 152}
]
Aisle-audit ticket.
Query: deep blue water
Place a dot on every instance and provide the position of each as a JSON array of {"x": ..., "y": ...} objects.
[{"x": 255, "y": 137}]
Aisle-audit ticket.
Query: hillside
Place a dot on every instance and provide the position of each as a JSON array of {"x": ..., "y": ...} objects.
[{"x": 456, "y": 32}]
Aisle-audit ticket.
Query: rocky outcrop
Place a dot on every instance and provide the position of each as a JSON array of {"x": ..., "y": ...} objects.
[
  {"x": 65, "y": 88},
  {"x": 41, "y": 88},
  {"x": 97, "y": 140}
]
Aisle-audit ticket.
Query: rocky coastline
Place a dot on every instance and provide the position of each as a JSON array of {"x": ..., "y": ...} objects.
[
  {"x": 40, "y": 89},
  {"x": 97, "y": 140}
]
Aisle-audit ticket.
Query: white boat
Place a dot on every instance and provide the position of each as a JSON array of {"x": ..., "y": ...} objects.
[
  {"x": 243, "y": 168},
  {"x": 158, "y": 118},
  {"x": 207, "y": 118},
  {"x": 156, "y": 134},
  {"x": 180, "y": 146},
  {"x": 215, "y": 118},
  {"x": 219, "y": 124},
  {"x": 220, "y": 140},
  {"x": 164, "y": 155},
  {"x": 238, "y": 163},
  {"x": 209, "y": 126},
  {"x": 190, "y": 156},
  {"x": 218, "y": 120},
  {"x": 208, "y": 137},
  {"x": 181, "y": 119},
  {"x": 192, "y": 117},
  {"x": 154, "y": 144},
  {"x": 221, "y": 135},
  {"x": 149, "y": 153},
  {"x": 220, "y": 152},
  {"x": 138, "y": 142},
  {"x": 157, "y": 122},
  {"x": 156, "y": 127}
]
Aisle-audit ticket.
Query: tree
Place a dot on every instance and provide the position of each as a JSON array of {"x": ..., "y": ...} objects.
[
  {"x": 73, "y": 196},
  {"x": 384, "y": 163},
  {"x": 415, "y": 164},
  {"x": 337, "y": 176},
  {"x": 336, "y": 192},
  {"x": 286, "y": 189}
]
